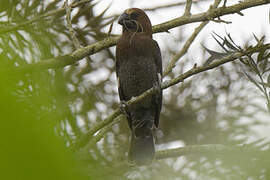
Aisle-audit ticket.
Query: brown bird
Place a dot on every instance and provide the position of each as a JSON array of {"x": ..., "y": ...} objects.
[{"x": 138, "y": 68}]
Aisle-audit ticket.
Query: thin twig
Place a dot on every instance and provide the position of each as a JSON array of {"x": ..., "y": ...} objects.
[
  {"x": 69, "y": 26},
  {"x": 185, "y": 48},
  {"x": 212, "y": 149},
  {"x": 220, "y": 21},
  {"x": 213, "y": 13},
  {"x": 224, "y": 4},
  {"x": 188, "y": 43},
  {"x": 171, "y": 5},
  {"x": 188, "y": 8},
  {"x": 75, "y": 40},
  {"x": 104, "y": 130}
]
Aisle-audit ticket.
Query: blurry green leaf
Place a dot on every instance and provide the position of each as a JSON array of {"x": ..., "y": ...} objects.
[{"x": 30, "y": 148}]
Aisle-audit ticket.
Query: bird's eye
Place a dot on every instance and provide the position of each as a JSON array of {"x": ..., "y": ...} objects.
[{"x": 134, "y": 15}]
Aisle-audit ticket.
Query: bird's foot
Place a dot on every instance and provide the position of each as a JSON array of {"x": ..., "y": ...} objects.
[
  {"x": 158, "y": 133},
  {"x": 124, "y": 108},
  {"x": 157, "y": 87}
]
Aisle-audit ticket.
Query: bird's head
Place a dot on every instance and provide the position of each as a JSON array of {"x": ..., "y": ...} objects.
[{"x": 135, "y": 20}]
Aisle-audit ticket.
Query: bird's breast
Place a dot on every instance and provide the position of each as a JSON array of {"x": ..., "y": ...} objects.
[{"x": 137, "y": 74}]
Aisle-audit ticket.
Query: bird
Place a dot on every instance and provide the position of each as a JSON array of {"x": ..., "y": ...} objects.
[{"x": 139, "y": 68}]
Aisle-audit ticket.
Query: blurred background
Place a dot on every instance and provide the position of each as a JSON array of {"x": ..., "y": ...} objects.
[{"x": 45, "y": 111}]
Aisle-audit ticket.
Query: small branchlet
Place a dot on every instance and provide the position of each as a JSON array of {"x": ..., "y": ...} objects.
[{"x": 259, "y": 70}]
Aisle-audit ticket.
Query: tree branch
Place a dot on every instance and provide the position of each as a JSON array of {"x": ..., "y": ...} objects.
[
  {"x": 213, "y": 13},
  {"x": 207, "y": 149},
  {"x": 69, "y": 26},
  {"x": 188, "y": 43},
  {"x": 82, "y": 141},
  {"x": 185, "y": 48},
  {"x": 62, "y": 61},
  {"x": 188, "y": 8},
  {"x": 79, "y": 54},
  {"x": 172, "y": 5}
]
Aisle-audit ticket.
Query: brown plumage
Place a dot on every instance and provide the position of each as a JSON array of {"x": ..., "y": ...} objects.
[{"x": 138, "y": 68}]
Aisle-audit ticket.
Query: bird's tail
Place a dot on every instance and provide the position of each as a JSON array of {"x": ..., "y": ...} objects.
[{"x": 142, "y": 148}]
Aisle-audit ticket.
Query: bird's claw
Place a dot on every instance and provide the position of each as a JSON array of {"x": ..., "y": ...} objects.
[
  {"x": 157, "y": 86},
  {"x": 158, "y": 133},
  {"x": 123, "y": 108}
]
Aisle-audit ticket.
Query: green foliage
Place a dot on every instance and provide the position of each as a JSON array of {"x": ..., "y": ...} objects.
[{"x": 29, "y": 147}]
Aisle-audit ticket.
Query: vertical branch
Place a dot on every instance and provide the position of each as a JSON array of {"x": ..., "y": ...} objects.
[
  {"x": 188, "y": 8},
  {"x": 224, "y": 4},
  {"x": 69, "y": 26}
]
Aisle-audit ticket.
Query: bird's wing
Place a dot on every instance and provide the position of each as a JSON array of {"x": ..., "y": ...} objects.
[{"x": 158, "y": 97}]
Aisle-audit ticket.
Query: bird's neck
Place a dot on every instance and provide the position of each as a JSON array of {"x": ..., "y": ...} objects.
[{"x": 129, "y": 34}]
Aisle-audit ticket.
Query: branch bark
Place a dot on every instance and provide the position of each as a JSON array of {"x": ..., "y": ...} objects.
[
  {"x": 82, "y": 141},
  {"x": 208, "y": 149},
  {"x": 79, "y": 54},
  {"x": 188, "y": 8}
]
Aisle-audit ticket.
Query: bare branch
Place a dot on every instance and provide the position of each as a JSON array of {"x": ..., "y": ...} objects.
[
  {"x": 75, "y": 40},
  {"x": 188, "y": 8},
  {"x": 69, "y": 26},
  {"x": 214, "y": 13},
  {"x": 104, "y": 130},
  {"x": 171, "y": 5},
  {"x": 155, "y": 8},
  {"x": 207, "y": 149},
  {"x": 184, "y": 50},
  {"x": 221, "y": 21}
]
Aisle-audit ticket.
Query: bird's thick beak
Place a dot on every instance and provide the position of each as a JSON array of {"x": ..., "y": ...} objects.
[{"x": 122, "y": 18}]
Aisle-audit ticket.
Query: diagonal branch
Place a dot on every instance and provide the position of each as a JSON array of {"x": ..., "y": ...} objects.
[
  {"x": 82, "y": 141},
  {"x": 185, "y": 48},
  {"x": 79, "y": 54},
  {"x": 189, "y": 41}
]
